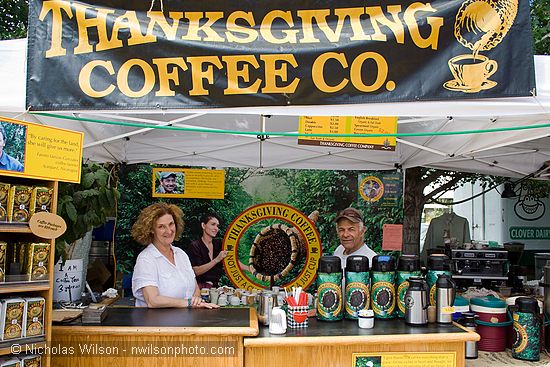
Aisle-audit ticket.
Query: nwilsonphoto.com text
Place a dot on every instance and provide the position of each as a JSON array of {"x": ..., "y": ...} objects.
[{"x": 125, "y": 349}]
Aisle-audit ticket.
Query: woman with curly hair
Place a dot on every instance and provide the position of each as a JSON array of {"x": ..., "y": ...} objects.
[{"x": 163, "y": 276}]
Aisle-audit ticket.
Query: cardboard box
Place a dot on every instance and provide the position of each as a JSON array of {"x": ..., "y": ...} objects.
[
  {"x": 31, "y": 360},
  {"x": 10, "y": 361},
  {"x": 34, "y": 320},
  {"x": 19, "y": 204},
  {"x": 35, "y": 260},
  {"x": 4, "y": 196},
  {"x": 12, "y": 311},
  {"x": 41, "y": 200},
  {"x": 3, "y": 256}
]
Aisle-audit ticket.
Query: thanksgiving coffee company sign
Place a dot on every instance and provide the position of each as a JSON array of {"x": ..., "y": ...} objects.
[
  {"x": 121, "y": 54},
  {"x": 276, "y": 248}
]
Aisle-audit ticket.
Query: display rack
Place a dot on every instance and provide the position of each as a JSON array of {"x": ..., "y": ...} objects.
[{"x": 21, "y": 287}]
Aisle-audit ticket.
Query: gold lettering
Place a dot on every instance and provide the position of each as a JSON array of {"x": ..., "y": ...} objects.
[
  {"x": 320, "y": 17},
  {"x": 166, "y": 76},
  {"x": 317, "y": 72},
  {"x": 99, "y": 22},
  {"x": 435, "y": 25},
  {"x": 157, "y": 18},
  {"x": 194, "y": 26},
  {"x": 357, "y": 65},
  {"x": 198, "y": 74},
  {"x": 129, "y": 21},
  {"x": 85, "y": 77},
  {"x": 234, "y": 74},
  {"x": 267, "y": 24},
  {"x": 233, "y": 27},
  {"x": 354, "y": 15},
  {"x": 56, "y": 46},
  {"x": 377, "y": 16},
  {"x": 123, "y": 76},
  {"x": 272, "y": 73}
]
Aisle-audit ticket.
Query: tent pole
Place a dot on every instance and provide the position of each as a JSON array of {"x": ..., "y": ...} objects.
[
  {"x": 135, "y": 132},
  {"x": 415, "y": 153}
]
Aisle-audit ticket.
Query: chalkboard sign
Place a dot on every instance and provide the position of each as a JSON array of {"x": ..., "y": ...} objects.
[{"x": 68, "y": 281}]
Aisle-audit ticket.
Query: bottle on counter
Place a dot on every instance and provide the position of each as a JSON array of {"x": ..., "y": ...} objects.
[
  {"x": 357, "y": 294},
  {"x": 383, "y": 286},
  {"x": 407, "y": 266},
  {"x": 437, "y": 264},
  {"x": 527, "y": 330},
  {"x": 468, "y": 320},
  {"x": 329, "y": 289},
  {"x": 445, "y": 299}
]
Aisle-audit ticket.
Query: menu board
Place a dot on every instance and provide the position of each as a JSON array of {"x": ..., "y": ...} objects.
[{"x": 318, "y": 126}]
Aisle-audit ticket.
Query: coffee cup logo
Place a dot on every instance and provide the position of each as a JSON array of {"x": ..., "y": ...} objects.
[
  {"x": 471, "y": 73},
  {"x": 480, "y": 25}
]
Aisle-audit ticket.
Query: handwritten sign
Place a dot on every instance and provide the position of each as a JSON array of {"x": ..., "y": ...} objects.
[
  {"x": 392, "y": 237},
  {"x": 47, "y": 225},
  {"x": 68, "y": 281}
]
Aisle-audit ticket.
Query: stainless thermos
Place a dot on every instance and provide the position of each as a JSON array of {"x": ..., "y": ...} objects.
[
  {"x": 268, "y": 300},
  {"x": 445, "y": 299},
  {"x": 416, "y": 302},
  {"x": 468, "y": 320}
]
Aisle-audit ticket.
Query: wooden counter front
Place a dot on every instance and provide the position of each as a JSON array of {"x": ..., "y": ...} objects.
[
  {"x": 332, "y": 344},
  {"x": 141, "y": 337}
]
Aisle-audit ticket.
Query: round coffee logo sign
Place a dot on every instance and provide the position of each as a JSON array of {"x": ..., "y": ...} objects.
[{"x": 271, "y": 244}]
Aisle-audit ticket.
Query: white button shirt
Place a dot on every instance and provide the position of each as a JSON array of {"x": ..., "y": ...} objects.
[{"x": 153, "y": 269}]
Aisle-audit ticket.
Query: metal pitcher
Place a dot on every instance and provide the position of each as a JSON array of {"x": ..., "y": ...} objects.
[
  {"x": 416, "y": 302},
  {"x": 268, "y": 300},
  {"x": 445, "y": 289}
]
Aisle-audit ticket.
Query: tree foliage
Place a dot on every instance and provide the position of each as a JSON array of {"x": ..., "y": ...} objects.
[
  {"x": 329, "y": 192},
  {"x": 13, "y": 19},
  {"x": 540, "y": 23},
  {"x": 135, "y": 186},
  {"x": 15, "y": 140},
  {"x": 86, "y": 205}
]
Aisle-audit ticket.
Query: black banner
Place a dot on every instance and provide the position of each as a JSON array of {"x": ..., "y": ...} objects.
[{"x": 122, "y": 54}]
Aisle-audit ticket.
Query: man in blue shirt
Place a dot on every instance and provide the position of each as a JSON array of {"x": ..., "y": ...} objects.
[{"x": 7, "y": 162}]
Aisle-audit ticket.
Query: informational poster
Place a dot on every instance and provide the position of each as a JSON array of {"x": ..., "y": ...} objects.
[
  {"x": 392, "y": 237},
  {"x": 381, "y": 188},
  {"x": 188, "y": 183},
  {"x": 316, "y": 125},
  {"x": 409, "y": 359},
  {"x": 38, "y": 151}
]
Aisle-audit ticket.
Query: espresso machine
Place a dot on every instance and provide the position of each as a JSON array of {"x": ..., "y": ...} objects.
[{"x": 477, "y": 265}]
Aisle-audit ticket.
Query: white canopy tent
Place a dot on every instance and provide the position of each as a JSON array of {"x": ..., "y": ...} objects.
[{"x": 507, "y": 153}]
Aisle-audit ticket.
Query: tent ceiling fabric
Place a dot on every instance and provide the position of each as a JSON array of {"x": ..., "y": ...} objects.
[{"x": 510, "y": 153}]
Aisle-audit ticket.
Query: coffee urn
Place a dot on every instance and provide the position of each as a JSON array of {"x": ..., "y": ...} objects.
[
  {"x": 546, "y": 285},
  {"x": 416, "y": 302},
  {"x": 445, "y": 299}
]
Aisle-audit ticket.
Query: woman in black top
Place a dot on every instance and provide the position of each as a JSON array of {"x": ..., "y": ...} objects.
[{"x": 206, "y": 253}]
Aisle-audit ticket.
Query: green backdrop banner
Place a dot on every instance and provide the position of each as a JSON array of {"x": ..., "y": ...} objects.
[{"x": 121, "y": 54}]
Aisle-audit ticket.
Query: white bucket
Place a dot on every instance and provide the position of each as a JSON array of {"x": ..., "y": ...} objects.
[{"x": 67, "y": 281}]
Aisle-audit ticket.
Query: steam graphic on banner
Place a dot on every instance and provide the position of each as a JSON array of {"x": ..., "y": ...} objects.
[{"x": 480, "y": 26}]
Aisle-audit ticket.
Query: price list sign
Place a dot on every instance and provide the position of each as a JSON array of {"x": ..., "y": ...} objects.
[{"x": 348, "y": 125}]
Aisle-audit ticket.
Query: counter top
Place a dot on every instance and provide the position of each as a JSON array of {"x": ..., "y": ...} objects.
[
  {"x": 347, "y": 331},
  {"x": 223, "y": 321}
]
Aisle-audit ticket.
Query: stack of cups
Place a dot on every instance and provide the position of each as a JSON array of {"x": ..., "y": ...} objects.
[{"x": 492, "y": 310}]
